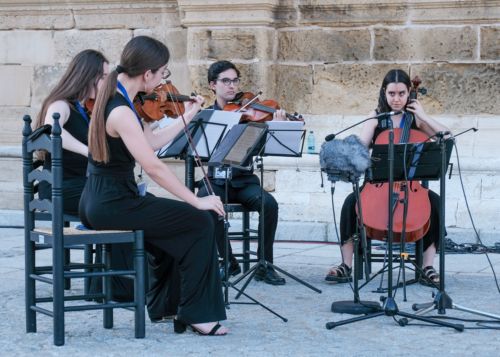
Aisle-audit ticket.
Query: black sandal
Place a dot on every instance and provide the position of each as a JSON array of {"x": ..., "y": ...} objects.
[
  {"x": 339, "y": 274},
  {"x": 430, "y": 277},
  {"x": 180, "y": 327}
]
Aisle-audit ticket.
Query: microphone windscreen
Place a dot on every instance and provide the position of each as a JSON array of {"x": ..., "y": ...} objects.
[{"x": 345, "y": 158}]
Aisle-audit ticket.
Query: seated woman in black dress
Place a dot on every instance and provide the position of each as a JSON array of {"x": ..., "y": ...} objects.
[
  {"x": 393, "y": 96},
  {"x": 111, "y": 198},
  {"x": 79, "y": 83}
]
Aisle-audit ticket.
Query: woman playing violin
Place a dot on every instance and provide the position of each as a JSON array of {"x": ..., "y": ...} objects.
[
  {"x": 393, "y": 96},
  {"x": 244, "y": 188},
  {"x": 182, "y": 230},
  {"x": 80, "y": 83}
]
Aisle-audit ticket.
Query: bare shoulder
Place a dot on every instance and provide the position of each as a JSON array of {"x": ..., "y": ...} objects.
[{"x": 59, "y": 106}]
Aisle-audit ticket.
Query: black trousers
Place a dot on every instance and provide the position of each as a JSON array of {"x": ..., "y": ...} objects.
[
  {"x": 173, "y": 230},
  {"x": 250, "y": 197},
  {"x": 348, "y": 220}
]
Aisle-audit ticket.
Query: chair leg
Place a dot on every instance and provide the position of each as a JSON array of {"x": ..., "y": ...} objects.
[
  {"x": 87, "y": 259},
  {"x": 58, "y": 292},
  {"x": 246, "y": 241},
  {"x": 30, "y": 292},
  {"x": 67, "y": 261},
  {"x": 107, "y": 313},
  {"x": 139, "y": 286}
]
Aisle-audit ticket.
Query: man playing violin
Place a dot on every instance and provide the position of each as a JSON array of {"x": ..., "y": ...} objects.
[{"x": 243, "y": 186}]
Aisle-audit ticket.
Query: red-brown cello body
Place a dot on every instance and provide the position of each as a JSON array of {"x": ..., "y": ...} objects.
[{"x": 374, "y": 200}]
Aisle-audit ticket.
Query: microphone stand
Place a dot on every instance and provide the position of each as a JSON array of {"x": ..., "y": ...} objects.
[
  {"x": 442, "y": 300},
  {"x": 390, "y": 307},
  {"x": 381, "y": 116}
]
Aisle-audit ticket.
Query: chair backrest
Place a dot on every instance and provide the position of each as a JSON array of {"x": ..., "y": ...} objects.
[{"x": 46, "y": 138}]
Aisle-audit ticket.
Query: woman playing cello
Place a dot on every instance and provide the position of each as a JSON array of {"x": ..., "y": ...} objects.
[{"x": 394, "y": 96}]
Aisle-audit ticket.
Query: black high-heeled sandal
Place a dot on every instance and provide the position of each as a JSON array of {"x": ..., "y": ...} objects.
[{"x": 180, "y": 327}]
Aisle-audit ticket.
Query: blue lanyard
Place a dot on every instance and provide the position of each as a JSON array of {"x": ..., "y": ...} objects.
[
  {"x": 82, "y": 112},
  {"x": 131, "y": 105},
  {"x": 402, "y": 122}
]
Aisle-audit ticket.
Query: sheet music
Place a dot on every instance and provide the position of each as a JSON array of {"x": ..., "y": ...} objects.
[
  {"x": 244, "y": 144},
  {"x": 290, "y": 135},
  {"x": 209, "y": 135}
]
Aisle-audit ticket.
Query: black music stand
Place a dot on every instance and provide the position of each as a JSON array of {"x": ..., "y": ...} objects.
[
  {"x": 390, "y": 307},
  {"x": 442, "y": 300},
  {"x": 278, "y": 132},
  {"x": 235, "y": 150},
  {"x": 207, "y": 130}
]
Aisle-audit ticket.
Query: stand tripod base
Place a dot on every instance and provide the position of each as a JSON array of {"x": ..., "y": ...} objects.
[{"x": 355, "y": 308}]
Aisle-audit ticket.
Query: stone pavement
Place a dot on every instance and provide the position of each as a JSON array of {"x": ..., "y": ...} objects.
[{"x": 253, "y": 330}]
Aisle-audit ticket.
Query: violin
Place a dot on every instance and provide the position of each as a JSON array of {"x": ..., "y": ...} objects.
[
  {"x": 255, "y": 110},
  {"x": 374, "y": 197},
  {"x": 165, "y": 100},
  {"x": 89, "y": 104}
]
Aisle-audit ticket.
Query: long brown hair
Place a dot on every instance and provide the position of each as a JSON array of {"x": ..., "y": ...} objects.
[
  {"x": 82, "y": 75},
  {"x": 140, "y": 54}
]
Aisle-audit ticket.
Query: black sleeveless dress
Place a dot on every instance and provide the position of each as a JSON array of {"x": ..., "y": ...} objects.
[
  {"x": 110, "y": 200},
  {"x": 74, "y": 166}
]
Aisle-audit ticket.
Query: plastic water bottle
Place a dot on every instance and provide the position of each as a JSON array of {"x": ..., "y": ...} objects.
[{"x": 311, "y": 143}]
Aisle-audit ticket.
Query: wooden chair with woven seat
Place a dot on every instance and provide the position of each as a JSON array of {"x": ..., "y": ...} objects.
[{"x": 57, "y": 237}]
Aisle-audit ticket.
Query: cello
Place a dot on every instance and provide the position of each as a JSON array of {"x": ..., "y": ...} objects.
[{"x": 374, "y": 196}]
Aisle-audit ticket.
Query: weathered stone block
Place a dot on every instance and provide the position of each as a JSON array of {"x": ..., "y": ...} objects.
[
  {"x": 27, "y": 47},
  {"x": 12, "y": 124},
  {"x": 352, "y": 13},
  {"x": 15, "y": 85},
  {"x": 231, "y": 43},
  {"x": 44, "y": 80},
  {"x": 460, "y": 88},
  {"x": 347, "y": 88},
  {"x": 324, "y": 45},
  {"x": 109, "y": 42},
  {"x": 127, "y": 16},
  {"x": 425, "y": 44},
  {"x": 490, "y": 43},
  {"x": 31, "y": 18},
  {"x": 453, "y": 12},
  {"x": 293, "y": 87}
]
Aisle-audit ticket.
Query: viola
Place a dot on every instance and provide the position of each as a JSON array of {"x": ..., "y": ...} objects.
[
  {"x": 374, "y": 197},
  {"x": 165, "y": 100},
  {"x": 255, "y": 110}
]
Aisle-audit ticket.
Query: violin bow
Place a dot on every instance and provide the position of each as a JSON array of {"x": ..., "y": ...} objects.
[{"x": 187, "y": 134}]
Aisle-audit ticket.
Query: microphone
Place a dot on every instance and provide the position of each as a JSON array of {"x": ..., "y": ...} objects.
[
  {"x": 345, "y": 159},
  {"x": 380, "y": 116}
]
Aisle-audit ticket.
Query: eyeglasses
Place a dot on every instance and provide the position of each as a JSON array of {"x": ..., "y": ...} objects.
[
  {"x": 228, "y": 81},
  {"x": 166, "y": 73}
]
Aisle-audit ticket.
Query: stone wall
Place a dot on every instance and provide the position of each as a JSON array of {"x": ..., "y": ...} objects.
[{"x": 321, "y": 58}]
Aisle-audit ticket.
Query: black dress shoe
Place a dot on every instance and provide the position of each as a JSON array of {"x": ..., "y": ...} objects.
[
  {"x": 269, "y": 276},
  {"x": 233, "y": 269}
]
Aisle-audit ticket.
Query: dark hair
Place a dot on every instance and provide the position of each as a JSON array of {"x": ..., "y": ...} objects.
[
  {"x": 140, "y": 54},
  {"x": 393, "y": 76},
  {"x": 82, "y": 75},
  {"x": 218, "y": 67}
]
